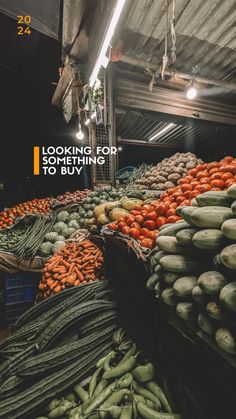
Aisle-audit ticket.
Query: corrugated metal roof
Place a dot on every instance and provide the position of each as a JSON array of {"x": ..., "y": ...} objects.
[
  {"x": 133, "y": 126},
  {"x": 205, "y": 32}
]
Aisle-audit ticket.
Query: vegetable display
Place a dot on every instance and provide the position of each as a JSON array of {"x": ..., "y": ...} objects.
[
  {"x": 75, "y": 263},
  {"x": 55, "y": 361},
  {"x": 168, "y": 172},
  {"x": 71, "y": 197},
  {"x": 194, "y": 267},
  {"x": 10, "y": 238},
  {"x": 121, "y": 386},
  {"x": 36, "y": 206}
]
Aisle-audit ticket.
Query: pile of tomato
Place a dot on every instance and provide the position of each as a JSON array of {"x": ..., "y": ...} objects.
[
  {"x": 36, "y": 206},
  {"x": 143, "y": 222}
]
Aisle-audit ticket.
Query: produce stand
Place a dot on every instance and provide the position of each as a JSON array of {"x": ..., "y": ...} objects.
[{"x": 212, "y": 376}]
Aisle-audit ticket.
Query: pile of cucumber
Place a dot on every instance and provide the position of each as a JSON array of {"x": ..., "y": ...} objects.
[
  {"x": 56, "y": 343},
  {"x": 194, "y": 266},
  {"x": 121, "y": 386}
]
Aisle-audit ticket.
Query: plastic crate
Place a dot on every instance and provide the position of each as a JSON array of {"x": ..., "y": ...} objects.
[{"x": 17, "y": 294}]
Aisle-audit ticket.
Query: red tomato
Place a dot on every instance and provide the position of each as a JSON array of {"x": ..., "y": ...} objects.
[
  {"x": 187, "y": 194},
  {"x": 212, "y": 165},
  {"x": 163, "y": 196},
  {"x": 194, "y": 194},
  {"x": 173, "y": 219},
  {"x": 113, "y": 226},
  {"x": 162, "y": 208},
  {"x": 144, "y": 231},
  {"x": 205, "y": 188},
  {"x": 151, "y": 216},
  {"x": 152, "y": 234},
  {"x": 201, "y": 174},
  {"x": 150, "y": 224},
  {"x": 147, "y": 243},
  {"x": 129, "y": 220},
  {"x": 230, "y": 182},
  {"x": 143, "y": 213},
  {"x": 138, "y": 207},
  {"x": 185, "y": 203},
  {"x": 126, "y": 230},
  {"x": 215, "y": 189},
  {"x": 173, "y": 205},
  {"x": 205, "y": 180},
  {"x": 135, "y": 225},
  {"x": 186, "y": 187},
  {"x": 214, "y": 170},
  {"x": 170, "y": 211},
  {"x": 148, "y": 207},
  {"x": 135, "y": 233},
  {"x": 218, "y": 183},
  {"x": 139, "y": 219},
  {"x": 192, "y": 172},
  {"x": 121, "y": 224},
  {"x": 135, "y": 212},
  {"x": 226, "y": 176},
  {"x": 229, "y": 168},
  {"x": 217, "y": 175},
  {"x": 160, "y": 221},
  {"x": 180, "y": 199},
  {"x": 183, "y": 181},
  {"x": 228, "y": 159}
]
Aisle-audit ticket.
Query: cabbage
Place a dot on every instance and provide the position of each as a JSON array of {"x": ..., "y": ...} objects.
[
  {"x": 57, "y": 246},
  {"x": 74, "y": 216},
  {"x": 52, "y": 237},
  {"x": 63, "y": 216},
  {"x": 60, "y": 238},
  {"x": 46, "y": 248},
  {"x": 58, "y": 227},
  {"x": 66, "y": 232},
  {"x": 73, "y": 224}
]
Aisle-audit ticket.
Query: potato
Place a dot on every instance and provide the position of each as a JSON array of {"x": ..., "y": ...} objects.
[
  {"x": 169, "y": 185},
  {"x": 174, "y": 177}
]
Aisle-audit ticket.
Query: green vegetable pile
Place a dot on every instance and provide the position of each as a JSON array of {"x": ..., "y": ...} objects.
[
  {"x": 10, "y": 238},
  {"x": 56, "y": 343},
  {"x": 194, "y": 266},
  {"x": 66, "y": 225},
  {"x": 121, "y": 386}
]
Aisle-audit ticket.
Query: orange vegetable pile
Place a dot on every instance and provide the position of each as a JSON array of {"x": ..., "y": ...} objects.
[
  {"x": 143, "y": 222},
  {"x": 75, "y": 264},
  {"x": 36, "y": 206}
]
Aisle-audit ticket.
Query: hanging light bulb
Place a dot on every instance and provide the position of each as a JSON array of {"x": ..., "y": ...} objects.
[
  {"x": 191, "y": 93},
  {"x": 79, "y": 135}
]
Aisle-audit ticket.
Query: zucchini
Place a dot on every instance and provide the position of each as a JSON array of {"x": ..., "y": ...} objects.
[
  {"x": 187, "y": 213},
  {"x": 151, "y": 282},
  {"x": 182, "y": 264},
  {"x": 233, "y": 208},
  {"x": 209, "y": 239},
  {"x": 170, "y": 245},
  {"x": 211, "y": 282},
  {"x": 214, "y": 198},
  {"x": 228, "y": 228},
  {"x": 168, "y": 296},
  {"x": 228, "y": 256},
  {"x": 185, "y": 311},
  {"x": 184, "y": 237},
  {"x": 215, "y": 311},
  {"x": 172, "y": 229},
  {"x": 228, "y": 296},
  {"x": 169, "y": 277},
  {"x": 211, "y": 217},
  {"x": 226, "y": 340},
  {"x": 198, "y": 295},
  {"x": 206, "y": 323},
  {"x": 183, "y": 286},
  {"x": 231, "y": 192}
]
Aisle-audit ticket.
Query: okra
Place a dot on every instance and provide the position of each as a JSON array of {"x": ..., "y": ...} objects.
[
  {"x": 148, "y": 413},
  {"x": 159, "y": 393},
  {"x": 121, "y": 369},
  {"x": 147, "y": 395}
]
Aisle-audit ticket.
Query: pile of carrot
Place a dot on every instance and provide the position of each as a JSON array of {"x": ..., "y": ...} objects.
[{"x": 75, "y": 264}]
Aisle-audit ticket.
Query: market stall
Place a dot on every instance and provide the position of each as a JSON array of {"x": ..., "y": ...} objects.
[{"x": 119, "y": 300}]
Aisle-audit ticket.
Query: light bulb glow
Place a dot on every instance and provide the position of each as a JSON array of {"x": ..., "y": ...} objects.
[
  {"x": 191, "y": 93},
  {"x": 120, "y": 148},
  {"x": 79, "y": 135}
]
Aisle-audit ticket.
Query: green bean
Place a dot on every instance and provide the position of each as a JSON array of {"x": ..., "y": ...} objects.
[
  {"x": 147, "y": 394},
  {"x": 148, "y": 413},
  {"x": 158, "y": 392},
  {"x": 121, "y": 369},
  {"x": 93, "y": 382}
]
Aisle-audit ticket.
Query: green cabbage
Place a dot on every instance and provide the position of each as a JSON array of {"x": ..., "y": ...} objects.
[
  {"x": 58, "y": 227},
  {"x": 63, "y": 216},
  {"x": 57, "y": 246},
  {"x": 73, "y": 224},
  {"x": 46, "y": 248},
  {"x": 52, "y": 237}
]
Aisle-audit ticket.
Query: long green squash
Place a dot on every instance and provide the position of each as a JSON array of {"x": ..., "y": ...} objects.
[
  {"x": 36, "y": 395},
  {"x": 70, "y": 317},
  {"x": 46, "y": 362},
  {"x": 56, "y": 299},
  {"x": 11, "y": 365}
]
